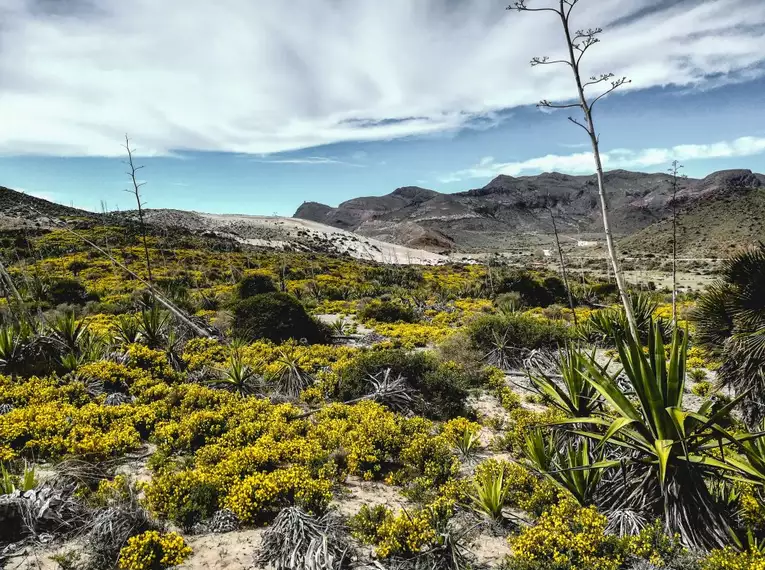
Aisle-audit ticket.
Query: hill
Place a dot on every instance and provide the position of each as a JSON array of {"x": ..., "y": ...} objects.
[
  {"x": 513, "y": 211},
  {"x": 18, "y": 210}
]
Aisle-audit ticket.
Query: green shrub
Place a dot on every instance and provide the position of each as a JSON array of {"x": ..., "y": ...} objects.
[
  {"x": 533, "y": 292},
  {"x": 387, "y": 312},
  {"x": 702, "y": 389},
  {"x": 442, "y": 386},
  {"x": 276, "y": 317},
  {"x": 67, "y": 291},
  {"x": 516, "y": 331},
  {"x": 255, "y": 284}
]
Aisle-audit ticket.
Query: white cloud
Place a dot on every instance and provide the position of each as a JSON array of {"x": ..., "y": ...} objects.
[
  {"x": 268, "y": 77},
  {"x": 306, "y": 160},
  {"x": 583, "y": 163}
]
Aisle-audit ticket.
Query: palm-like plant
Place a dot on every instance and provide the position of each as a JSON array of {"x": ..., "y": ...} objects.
[
  {"x": 569, "y": 391},
  {"x": 153, "y": 325},
  {"x": 69, "y": 333},
  {"x": 568, "y": 464},
  {"x": 490, "y": 494},
  {"x": 12, "y": 342},
  {"x": 239, "y": 377},
  {"x": 292, "y": 378},
  {"x": 665, "y": 452},
  {"x": 730, "y": 322}
]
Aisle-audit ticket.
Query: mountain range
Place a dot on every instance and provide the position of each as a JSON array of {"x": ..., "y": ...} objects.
[{"x": 713, "y": 213}]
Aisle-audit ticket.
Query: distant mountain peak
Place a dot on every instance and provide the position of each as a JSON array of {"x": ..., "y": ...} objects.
[{"x": 517, "y": 205}]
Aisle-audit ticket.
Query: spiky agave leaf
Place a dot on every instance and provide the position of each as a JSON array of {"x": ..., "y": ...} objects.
[
  {"x": 292, "y": 378},
  {"x": 569, "y": 391},
  {"x": 298, "y": 540},
  {"x": 664, "y": 453}
]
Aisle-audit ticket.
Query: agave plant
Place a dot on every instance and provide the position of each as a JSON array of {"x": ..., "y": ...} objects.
[
  {"x": 665, "y": 453},
  {"x": 489, "y": 494},
  {"x": 69, "y": 332},
  {"x": 569, "y": 391},
  {"x": 127, "y": 330},
  {"x": 292, "y": 378},
  {"x": 153, "y": 325},
  {"x": 568, "y": 463},
  {"x": 239, "y": 377},
  {"x": 730, "y": 322}
]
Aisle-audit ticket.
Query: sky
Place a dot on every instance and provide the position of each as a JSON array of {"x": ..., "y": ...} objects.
[{"x": 254, "y": 106}]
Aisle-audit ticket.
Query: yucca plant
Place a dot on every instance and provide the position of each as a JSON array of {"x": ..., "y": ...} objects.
[
  {"x": 468, "y": 444},
  {"x": 606, "y": 324},
  {"x": 339, "y": 327},
  {"x": 568, "y": 463},
  {"x": 489, "y": 494},
  {"x": 153, "y": 325},
  {"x": 501, "y": 353},
  {"x": 292, "y": 378},
  {"x": 10, "y": 483},
  {"x": 127, "y": 330},
  {"x": 12, "y": 341},
  {"x": 569, "y": 391},
  {"x": 239, "y": 377},
  {"x": 665, "y": 452},
  {"x": 69, "y": 332},
  {"x": 730, "y": 323}
]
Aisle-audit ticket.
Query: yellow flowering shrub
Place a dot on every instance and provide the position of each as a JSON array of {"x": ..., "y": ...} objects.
[
  {"x": 453, "y": 429},
  {"x": 653, "y": 544},
  {"x": 184, "y": 497},
  {"x": 368, "y": 433},
  {"x": 567, "y": 536},
  {"x": 150, "y": 360},
  {"x": 508, "y": 399},
  {"x": 153, "y": 550},
  {"x": 729, "y": 559},
  {"x": 34, "y": 391},
  {"x": 55, "y": 429},
  {"x": 114, "y": 376},
  {"x": 262, "y": 493},
  {"x": 199, "y": 352}
]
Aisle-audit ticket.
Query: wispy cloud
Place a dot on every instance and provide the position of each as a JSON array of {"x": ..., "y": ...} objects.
[
  {"x": 316, "y": 160},
  {"x": 582, "y": 163},
  {"x": 77, "y": 75}
]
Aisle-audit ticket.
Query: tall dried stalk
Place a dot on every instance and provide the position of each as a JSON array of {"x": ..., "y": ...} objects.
[{"x": 578, "y": 43}]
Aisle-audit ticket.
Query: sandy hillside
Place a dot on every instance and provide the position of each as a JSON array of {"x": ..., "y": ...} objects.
[{"x": 293, "y": 233}]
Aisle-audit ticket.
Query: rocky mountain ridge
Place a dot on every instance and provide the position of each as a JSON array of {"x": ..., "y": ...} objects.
[{"x": 508, "y": 206}]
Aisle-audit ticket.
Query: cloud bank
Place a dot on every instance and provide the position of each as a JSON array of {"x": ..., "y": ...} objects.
[
  {"x": 583, "y": 162},
  {"x": 267, "y": 76}
]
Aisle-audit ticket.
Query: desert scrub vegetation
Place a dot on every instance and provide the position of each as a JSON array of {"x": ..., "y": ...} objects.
[{"x": 266, "y": 418}]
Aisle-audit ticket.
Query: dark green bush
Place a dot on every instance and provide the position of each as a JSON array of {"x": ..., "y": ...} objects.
[
  {"x": 255, "y": 284},
  {"x": 518, "y": 331},
  {"x": 67, "y": 291},
  {"x": 387, "y": 312},
  {"x": 276, "y": 317},
  {"x": 442, "y": 387},
  {"x": 533, "y": 291}
]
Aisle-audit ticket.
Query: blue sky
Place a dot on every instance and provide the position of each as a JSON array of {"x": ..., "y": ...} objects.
[{"x": 264, "y": 114}]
